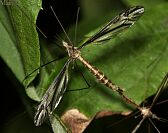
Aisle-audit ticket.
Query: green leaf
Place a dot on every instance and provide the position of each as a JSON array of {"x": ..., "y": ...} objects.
[
  {"x": 97, "y": 8},
  {"x": 57, "y": 125},
  {"x": 8, "y": 45},
  {"x": 23, "y": 16},
  {"x": 20, "y": 44},
  {"x": 149, "y": 3}
]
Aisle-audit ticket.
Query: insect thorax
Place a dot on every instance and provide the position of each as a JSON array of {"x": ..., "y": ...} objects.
[
  {"x": 73, "y": 52},
  {"x": 146, "y": 112}
]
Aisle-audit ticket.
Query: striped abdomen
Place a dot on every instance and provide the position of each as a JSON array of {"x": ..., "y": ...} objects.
[
  {"x": 104, "y": 80},
  {"x": 100, "y": 76}
]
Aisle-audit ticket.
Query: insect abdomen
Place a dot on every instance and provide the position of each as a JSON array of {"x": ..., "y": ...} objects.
[
  {"x": 104, "y": 80},
  {"x": 99, "y": 75}
]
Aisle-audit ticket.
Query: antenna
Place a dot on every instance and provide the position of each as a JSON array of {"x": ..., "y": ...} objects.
[
  {"x": 76, "y": 23},
  {"x": 61, "y": 25}
]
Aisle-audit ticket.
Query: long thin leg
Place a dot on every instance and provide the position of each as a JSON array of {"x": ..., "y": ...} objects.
[
  {"x": 87, "y": 83},
  {"x": 162, "y": 102},
  {"x": 82, "y": 74},
  {"x": 139, "y": 124},
  {"x": 118, "y": 122},
  {"x": 40, "y": 67},
  {"x": 163, "y": 85},
  {"x": 154, "y": 125}
]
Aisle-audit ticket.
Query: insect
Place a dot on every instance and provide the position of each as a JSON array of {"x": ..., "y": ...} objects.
[
  {"x": 146, "y": 111},
  {"x": 55, "y": 92}
]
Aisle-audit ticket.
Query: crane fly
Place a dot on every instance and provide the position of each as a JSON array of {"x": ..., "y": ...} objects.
[
  {"x": 146, "y": 112},
  {"x": 56, "y": 90}
]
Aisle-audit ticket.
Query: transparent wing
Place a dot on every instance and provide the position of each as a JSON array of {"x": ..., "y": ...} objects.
[
  {"x": 53, "y": 95},
  {"x": 61, "y": 88},
  {"x": 121, "y": 22}
]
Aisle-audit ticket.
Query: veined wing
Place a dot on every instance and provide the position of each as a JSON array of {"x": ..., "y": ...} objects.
[
  {"x": 53, "y": 95},
  {"x": 121, "y": 22}
]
